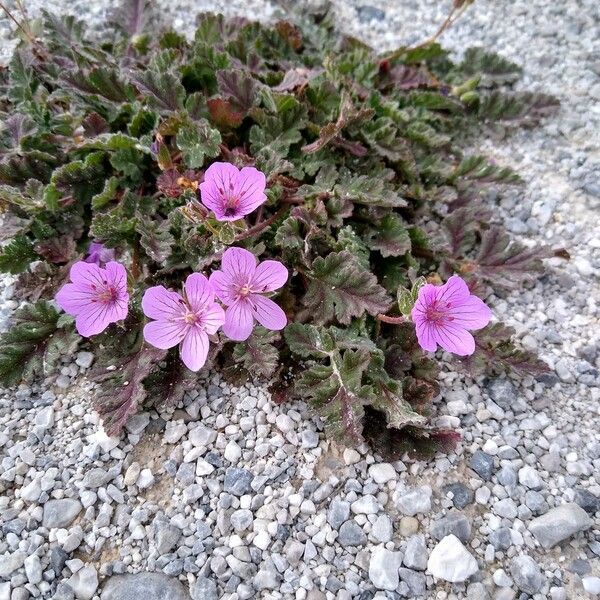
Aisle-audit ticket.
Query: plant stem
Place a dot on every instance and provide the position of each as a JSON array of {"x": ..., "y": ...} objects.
[
  {"x": 453, "y": 16},
  {"x": 392, "y": 320},
  {"x": 19, "y": 25},
  {"x": 259, "y": 226}
]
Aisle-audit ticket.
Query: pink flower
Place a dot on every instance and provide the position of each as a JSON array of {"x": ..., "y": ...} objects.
[
  {"x": 240, "y": 285},
  {"x": 96, "y": 297},
  {"x": 98, "y": 253},
  {"x": 232, "y": 193},
  {"x": 444, "y": 314},
  {"x": 187, "y": 321}
]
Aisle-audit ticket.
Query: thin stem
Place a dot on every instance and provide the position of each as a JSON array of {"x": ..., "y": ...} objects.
[
  {"x": 259, "y": 226},
  {"x": 453, "y": 16},
  {"x": 392, "y": 320},
  {"x": 17, "y": 23}
]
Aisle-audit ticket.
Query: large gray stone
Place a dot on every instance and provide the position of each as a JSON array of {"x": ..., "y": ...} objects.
[
  {"x": 526, "y": 574},
  {"x": 352, "y": 534},
  {"x": 559, "y": 524},
  {"x": 60, "y": 513},
  {"x": 456, "y": 523},
  {"x": 204, "y": 589},
  {"x": 144, "y": 586}
]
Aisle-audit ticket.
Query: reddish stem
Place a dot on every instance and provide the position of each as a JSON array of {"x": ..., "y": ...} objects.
[
  {"x": 392, "y": 320},
  {"x": 259, "y": 226}
]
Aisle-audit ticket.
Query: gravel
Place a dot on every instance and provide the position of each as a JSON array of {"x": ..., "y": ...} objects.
[{"x": 265, "y": 505}]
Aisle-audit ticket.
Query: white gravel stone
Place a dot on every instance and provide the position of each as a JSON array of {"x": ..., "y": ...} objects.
[{"x": 451, "y": 561}]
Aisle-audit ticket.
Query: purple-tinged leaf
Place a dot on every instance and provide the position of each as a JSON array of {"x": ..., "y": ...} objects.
[{"x": 340, "y": 289}]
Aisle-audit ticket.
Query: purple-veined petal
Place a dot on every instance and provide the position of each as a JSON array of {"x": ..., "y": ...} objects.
[
  {"x": 160, "y": 303},
  {"x": 239, "y": 265},
  {"x": 250, "y": 189},
  {"x": 270, "y": 275},
  {"x": 454, "y": 290},
  {"x": 194, "y": 349},
  {"x": 117, "y": 276},
  {"x": 238, "y": 321},
  {"x": 267, "y": 313},
  {"x": 88, "y": 274},
  {"x": 94, "y": 319},
  {"x": 165, "y": 334},
  {"x": 425, "y": 335},
  {"x": 471, "y": 313},
  {"x": 74, "y": 298},
  {"x": 218, "y": 185},
  {"x": 212, "y": 318},
  {"x": 454, "y": 339},
  {"x": 198, "y": 291},
  {"x": 223, "y": 286}
]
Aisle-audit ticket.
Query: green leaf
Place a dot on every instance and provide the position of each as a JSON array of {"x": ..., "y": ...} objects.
[
  {"x": 383, "y": 137},
  {"x": 389, "y": 236},
  {"x": 239, "y": 88},
  {"x": 478, "y": 168},
  {"x": 81, "y": 179},
  {"x": 496, "y": 352},
  {"x": 517, "y": 108},
  {"x": 198, "y": 141},
  {"x": 166, "y": 385},
  {"x": 368, "y": 190},
  {"x": 258, "y": 355},
  {"x": 163, "y": 89},
  {"x": 107, "y": 195},
  {"x": 337, "y": 393},
  {"x": 348, "y": 115},
  {"x": 121, "y": 390},
  {"x": 506, "y": 263},
  {"x": 155, "y": 238},
  {"x": 23, "y": 347},
  {"x": 496, "y": 69},
  {"x": 339, "y": 288},
  {"x": 308, "y": 340},
  {"x": 16, "y": 256}
]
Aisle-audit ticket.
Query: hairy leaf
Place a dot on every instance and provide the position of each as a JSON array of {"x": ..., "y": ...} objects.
[
  {"x": 122, "y": 388},
  {"x": 198, "y": 141},
  {"x": 496, "y": 352},
  {"x": 257, "y": 355},
  {"x": 340, "y": 289},
  {"x": 23, "y": 347},
  {"x": 389, "y": 236},
  {"x": 16, "y": 256}
]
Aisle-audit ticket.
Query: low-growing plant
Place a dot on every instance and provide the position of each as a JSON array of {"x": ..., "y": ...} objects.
[{"x": 162, "y": 190}]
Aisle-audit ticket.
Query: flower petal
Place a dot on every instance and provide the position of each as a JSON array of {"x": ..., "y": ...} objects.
[
  {"x": 160, "y": 303},
  {"x": 199, "y": 292},
  {"x": 73, "y": 298},
  {"x": 223, "y": 286},
  {"x": 425, "y": 335},
  {"x": 267, "y": 313},
  {"x": 239, "y": 265},
  {"x": 238, "y": 321},
  {"x": 212, "y": 318},
  {"x": 250, "y": 189},
  {"x": 194, "y": 349},
  {"x": 164, "y": 334},
  {"x": 471, "y": 313},
  {"x": 269, "y": 275},
  {"x": 219, "y": 182},
  {"x": 87, "y": 274},
  {"x": 117, "y": 275},
  {"x": 454, "y": 290},
  {"x": 94, "y": 319},
  {"x": 454, "y": 339}
]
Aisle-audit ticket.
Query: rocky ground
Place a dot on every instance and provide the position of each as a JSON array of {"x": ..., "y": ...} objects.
[{"x": 232, "y": 497}]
